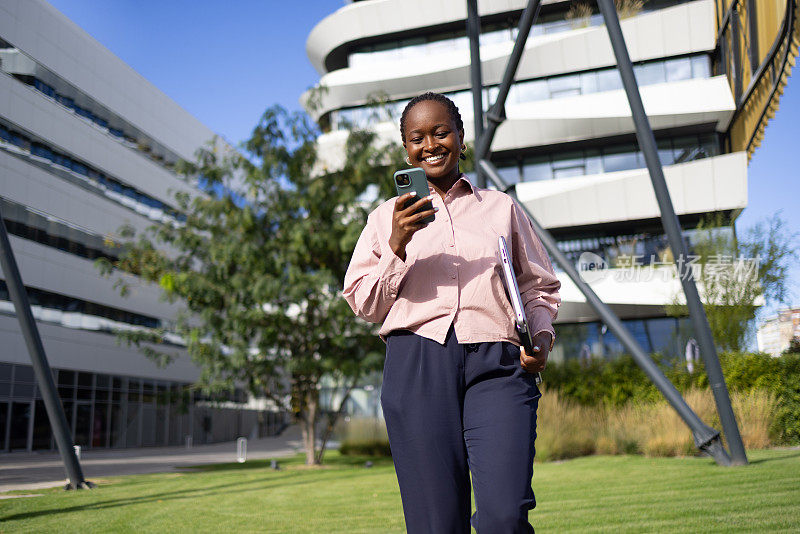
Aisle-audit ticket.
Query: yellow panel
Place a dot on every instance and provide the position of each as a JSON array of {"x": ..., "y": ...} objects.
[{"x": 747, "y": 128}]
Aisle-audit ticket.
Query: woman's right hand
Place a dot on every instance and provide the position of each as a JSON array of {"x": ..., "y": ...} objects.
[{"x": 405, "y": 222}]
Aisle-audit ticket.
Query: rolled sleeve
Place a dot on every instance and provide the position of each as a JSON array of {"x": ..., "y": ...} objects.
[
  {"x": 373, "y": 278},
  {"x": 538, "y": 284}
]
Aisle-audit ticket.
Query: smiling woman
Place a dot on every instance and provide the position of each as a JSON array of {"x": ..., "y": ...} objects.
[{"x": 458, "y": 393}]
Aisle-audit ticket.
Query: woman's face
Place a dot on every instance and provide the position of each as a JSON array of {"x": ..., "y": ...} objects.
[{"x": 433, "y": 141}]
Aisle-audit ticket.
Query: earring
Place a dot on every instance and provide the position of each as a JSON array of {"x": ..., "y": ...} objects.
[
  {"x": 462, "y": 155},
  {"x": 408, "y": 161}
]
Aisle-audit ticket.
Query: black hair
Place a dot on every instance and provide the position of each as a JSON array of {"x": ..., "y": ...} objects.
[{"x": 452, "y": 110}]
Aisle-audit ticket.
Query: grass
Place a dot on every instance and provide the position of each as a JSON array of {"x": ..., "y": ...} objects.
[{"x": 590, "y": 494}]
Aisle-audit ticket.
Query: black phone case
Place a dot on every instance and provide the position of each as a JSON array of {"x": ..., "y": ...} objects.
[{"x": 419, "y": 183}]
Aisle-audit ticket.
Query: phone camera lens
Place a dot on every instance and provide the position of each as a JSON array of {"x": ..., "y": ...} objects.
[{"x": 402, "y": 180}]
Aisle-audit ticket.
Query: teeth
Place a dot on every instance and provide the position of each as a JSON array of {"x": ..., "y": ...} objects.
[{"x": 434, "y": 159}]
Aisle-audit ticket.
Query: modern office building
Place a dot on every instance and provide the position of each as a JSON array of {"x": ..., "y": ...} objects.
[
  {"x": 87, "y": 145},
  {"x": 778, "y": 332},
  {"x": 709, "y": 72}
]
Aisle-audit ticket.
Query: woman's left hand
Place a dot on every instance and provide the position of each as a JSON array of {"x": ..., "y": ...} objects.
[{"x": 536, "y": 362}]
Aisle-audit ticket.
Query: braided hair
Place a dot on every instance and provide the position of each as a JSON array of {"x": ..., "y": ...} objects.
[{"x": 452, "y": 110}]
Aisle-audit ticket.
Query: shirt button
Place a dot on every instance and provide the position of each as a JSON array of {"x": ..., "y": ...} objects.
[
  {"x": 453, "y": 276},
  {"x": 452, "y": 244}
]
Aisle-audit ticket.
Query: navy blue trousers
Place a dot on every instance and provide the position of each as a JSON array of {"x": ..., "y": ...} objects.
[{"x": 455, "y": 409}]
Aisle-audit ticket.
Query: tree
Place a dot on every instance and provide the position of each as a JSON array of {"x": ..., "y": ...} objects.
[
  {"x": 259, "y": 264},
  {"x": 735, "y": 276}
]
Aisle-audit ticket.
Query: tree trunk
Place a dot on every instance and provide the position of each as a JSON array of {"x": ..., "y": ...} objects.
[
  {"x": 310, "y": 427},
  {"x": 332, "y": 418}
]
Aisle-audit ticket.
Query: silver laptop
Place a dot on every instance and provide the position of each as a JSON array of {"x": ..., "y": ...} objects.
[{"x": 520, "y": 321}]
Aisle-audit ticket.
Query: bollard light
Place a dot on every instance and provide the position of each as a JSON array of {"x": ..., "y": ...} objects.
[{"x": 241, "y": 450}]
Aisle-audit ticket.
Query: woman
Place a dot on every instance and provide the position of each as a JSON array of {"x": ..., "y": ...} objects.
[{"x": 458, "y": 394}]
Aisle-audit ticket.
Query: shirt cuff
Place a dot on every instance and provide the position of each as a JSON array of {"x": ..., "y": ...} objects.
[
  {"x": 540, "y": 320},
  {"x": 552, "y": 338}
]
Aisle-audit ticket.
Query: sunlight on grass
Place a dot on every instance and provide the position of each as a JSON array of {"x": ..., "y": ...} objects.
[{"x": 591, "y": 494}]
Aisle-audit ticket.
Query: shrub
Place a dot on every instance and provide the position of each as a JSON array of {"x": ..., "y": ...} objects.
[
  {"x": 367, "y": 448},
  {"x": 363, "y": 436},
  {"x": 567, "y": 429},
  {"x": 619, "y": 382}
]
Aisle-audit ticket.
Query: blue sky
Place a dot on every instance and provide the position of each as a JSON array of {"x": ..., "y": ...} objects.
[{"x": 226, "y": 64}]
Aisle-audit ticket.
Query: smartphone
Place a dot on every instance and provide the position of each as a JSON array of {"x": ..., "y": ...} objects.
[{"x": 413, "y": 179}]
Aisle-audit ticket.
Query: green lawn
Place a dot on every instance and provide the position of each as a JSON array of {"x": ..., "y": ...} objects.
[{"x": 592, "y": 494}]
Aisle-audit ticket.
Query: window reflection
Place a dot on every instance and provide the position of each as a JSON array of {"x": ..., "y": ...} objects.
[
  {"x": 154, "y": 209},
  {"x": 554, "y": 87},
  {"x": 88, "y": 109},
  {"x": 610, "y": 158}
]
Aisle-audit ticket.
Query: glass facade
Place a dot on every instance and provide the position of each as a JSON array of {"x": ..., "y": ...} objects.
[
  {"x": 647, "y": 248},
  {"x": 72, "y": 312},
  {"x": 105, "y": 411},
  {"x": 549, "y": 88},
  {"x": 87, "y": 108},
  {"x": 606, "y": 158},
  {"x": 663, "y": 335},
  {"x": 435, "y": 44},
  {"x": 27, "y": 223},
  {"x": 39, "y": 152}
]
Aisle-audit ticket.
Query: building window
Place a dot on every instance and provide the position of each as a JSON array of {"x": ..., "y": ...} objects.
[
  {"x": 549, "y": 88},
  {"x": 127, "y": 196}
]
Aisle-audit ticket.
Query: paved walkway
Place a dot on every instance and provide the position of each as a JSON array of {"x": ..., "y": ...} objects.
[{"x": 25, "y": 470}]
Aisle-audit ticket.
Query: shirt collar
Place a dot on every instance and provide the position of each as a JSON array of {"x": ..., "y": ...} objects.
[{"x": 464, "y": 184}]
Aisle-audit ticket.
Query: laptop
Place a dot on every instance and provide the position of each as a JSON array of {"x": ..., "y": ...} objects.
[{"x": 512, "y": 289}]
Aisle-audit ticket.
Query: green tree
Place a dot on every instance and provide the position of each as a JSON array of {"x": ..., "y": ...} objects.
[
  {"x": 259, "y": 264},
  {"x": 736, "y": 276}
]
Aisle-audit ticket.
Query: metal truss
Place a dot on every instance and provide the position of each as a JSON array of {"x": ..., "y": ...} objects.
[{"x": 706, "y": 438}]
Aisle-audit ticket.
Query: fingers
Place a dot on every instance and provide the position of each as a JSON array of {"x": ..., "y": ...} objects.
[
  {"x": 402, "y": 199},
  {"x": 535, "y": 363},
  {"x": 413, "y": 219},
  {"x": 417, "y": 205}
]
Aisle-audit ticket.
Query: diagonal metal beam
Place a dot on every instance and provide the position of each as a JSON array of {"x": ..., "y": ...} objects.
[
  {"x": 705, "y": 438},
  {"x": 647, "y": 142},
  {"x": 476, "y": 77},
  {"x": 497, "y": 113},
  {"x": 41, "y": 369}
]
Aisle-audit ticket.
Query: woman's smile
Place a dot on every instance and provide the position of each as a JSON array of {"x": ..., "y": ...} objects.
[{"x": 434, "y": 160}]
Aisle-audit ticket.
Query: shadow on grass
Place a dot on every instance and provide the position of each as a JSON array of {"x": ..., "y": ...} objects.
[
  {"x": 331, "y": 461},
  {"x": 790, "y": 453},
  {"x": 229, "y": 488},
  {"x": 241, "y": 487}
]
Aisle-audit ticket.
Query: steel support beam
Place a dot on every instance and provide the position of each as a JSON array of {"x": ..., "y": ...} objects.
[
  {"x": 476, "y": 77},
  {"x": 647, "y": 143},
  {"x": 41, "y": 369},
  {"x": 705, "y": 438},
  {"x": 497, "y": 113}
]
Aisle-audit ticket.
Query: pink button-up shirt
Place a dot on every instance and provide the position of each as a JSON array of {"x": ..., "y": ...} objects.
[{"x": 452, "y": 274}]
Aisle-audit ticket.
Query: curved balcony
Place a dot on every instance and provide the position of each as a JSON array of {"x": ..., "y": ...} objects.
[
  {"x": 579, "y": 118},
  {"x": 362, "y": 20},
  {"x": 706, "y": 185},
  {"x": 673, "y": 31}
]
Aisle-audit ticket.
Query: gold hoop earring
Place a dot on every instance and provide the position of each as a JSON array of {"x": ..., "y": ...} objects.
[{"x": 408, "y": 161}]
